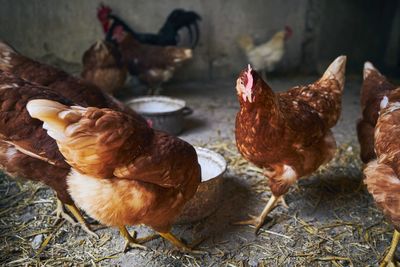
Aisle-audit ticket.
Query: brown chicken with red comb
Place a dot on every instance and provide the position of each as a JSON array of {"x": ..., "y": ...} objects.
[{"x": 288, "y": 134}]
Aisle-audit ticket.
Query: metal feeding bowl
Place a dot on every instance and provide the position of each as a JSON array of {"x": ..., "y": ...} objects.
[
  {"x": 208, "y": 195},
  {"x": 162, "y": 113}
]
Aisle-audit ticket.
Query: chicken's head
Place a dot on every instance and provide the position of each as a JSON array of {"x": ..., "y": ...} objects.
[
  {"x": 118, "y": 34},
  {"x": 252, "y": 89},
  {"x": 244, "y": 85},
  {"x": 102, "y": 14}
]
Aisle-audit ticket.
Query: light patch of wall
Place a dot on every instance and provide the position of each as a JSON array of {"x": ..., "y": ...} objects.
[{"x": 66, "y": 28}]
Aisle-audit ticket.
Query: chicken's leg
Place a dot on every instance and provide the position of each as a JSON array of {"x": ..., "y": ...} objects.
[
  {"x": 60, "y": 213},
  {"x": 258, "y": 222},
  {"x": 132, "y": 241},
  {"x": 78, "y": 216},
  {"x": 390, "y": 255},
  {"x": 179, "y": 244}
]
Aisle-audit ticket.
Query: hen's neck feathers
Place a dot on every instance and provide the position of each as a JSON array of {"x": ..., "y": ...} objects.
[{"x": 264, "y": 97}]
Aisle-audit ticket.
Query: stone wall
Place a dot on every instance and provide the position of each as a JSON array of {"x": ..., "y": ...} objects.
[{"x": 322, "y": 29}]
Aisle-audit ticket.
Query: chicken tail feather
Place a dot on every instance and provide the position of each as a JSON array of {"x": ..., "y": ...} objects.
[
  {"x": 6, "y": 52},
  {"x": 92, "y": 140},
  {"x": 56, "y": 116},
  {"x": 336, "y": 71},
  {"x": 369, "y": 68}
]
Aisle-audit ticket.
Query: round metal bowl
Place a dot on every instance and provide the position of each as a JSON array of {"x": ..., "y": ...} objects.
[
  {"x": 163, "y": 113},
  {"x": 208, "y": 194}
]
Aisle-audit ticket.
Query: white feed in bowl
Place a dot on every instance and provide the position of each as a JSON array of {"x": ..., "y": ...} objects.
[
  {"x": 155, "y": 107},
  {"x": 212, "y": 164},
  {"x": 156, "y": 104}
]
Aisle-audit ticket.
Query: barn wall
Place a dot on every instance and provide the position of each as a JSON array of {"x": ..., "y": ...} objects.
[{"x": 66, "y": 28}]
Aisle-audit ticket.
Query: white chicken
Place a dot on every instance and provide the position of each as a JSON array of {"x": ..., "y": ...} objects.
[{"x": 265, "y": 57}]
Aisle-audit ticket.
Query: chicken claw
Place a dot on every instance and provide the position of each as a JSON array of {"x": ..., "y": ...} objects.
[
  {"x": 180, "y": 245},
  {"x": 132, "y": 242},
  {"x": 389, "y": 258},
  {"x": 76, "y": 213},
  {"x": 60, "y": 213},
  {"x": 282, "y": 201},
  {"x": 259, "y": 221}
]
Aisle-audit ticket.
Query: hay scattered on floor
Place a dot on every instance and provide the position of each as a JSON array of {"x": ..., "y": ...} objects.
[{"x": 357, "y": 235}]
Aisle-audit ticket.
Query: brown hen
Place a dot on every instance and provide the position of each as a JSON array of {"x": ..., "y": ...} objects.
[
  {"x": 81, "y": 92},
  {"x": 102, "y": 66},
  {"x": 288, "y": 134},
  {"x": 152, "y": 64},
  {"x": 382, "y": 175},
  {"x": 375, "y": 86},
  {"x": 122, "y": 172},
  {"x": 26, "y": 150},
  {"x": 64, "y": 86}
]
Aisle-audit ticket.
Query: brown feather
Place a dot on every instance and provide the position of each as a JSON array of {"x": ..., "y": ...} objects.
[
  {"x": 382, "y": 175},
  {"x": 375, "y": 86},
  {"x": 152, "y": 64},
  {"x": 81, "y": 92},
  {"x": 102, "y": 66},
  {"x": 126, "y": 173}
]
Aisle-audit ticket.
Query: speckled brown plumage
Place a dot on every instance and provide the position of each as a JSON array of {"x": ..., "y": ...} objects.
[
  {"x": 290, "y": 128},
  {"x": 126, "y": 173},
  {"x": 26, "y": 149},
  {"x": 287, "y": 134},
  {"x": 78, "y": 90},
  {"x": 152, "y": 64},
  {"x": 375, "y": 86},
  {"x": 102, "y": 66},
  {"x": 382, "y": 175}
]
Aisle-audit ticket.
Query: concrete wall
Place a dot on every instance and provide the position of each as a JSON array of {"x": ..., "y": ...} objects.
[{"x": 66, "y": 28}]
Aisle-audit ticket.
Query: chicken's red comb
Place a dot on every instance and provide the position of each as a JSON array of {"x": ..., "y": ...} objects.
[
  {"x": 249, "y": 76},
  {"x": 288, "y": 29},
  {"x": 103, "y": 10}
]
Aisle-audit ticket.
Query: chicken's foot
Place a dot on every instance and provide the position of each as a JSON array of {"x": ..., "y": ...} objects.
[
  {"x": 389, "y": 258},
  {"x": 179, "y": 244},
  {"x": 258, "y": 222},
  {"x": 132, "y": 242},
  {"x": 282, "y": 201},
  {"x": 60, "y": 213}
]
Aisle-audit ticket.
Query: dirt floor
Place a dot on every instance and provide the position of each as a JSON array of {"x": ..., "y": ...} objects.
[{"x": 331, "y": 220}]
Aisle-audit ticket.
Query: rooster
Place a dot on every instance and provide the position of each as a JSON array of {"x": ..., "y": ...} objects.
[
  {"x": 265, "y": 57},
  {"x": 166, "y": 36},
  {"x": 382, "y": 175},
  {"x": 102, "y": 66},
  {"x": 122, "y": 172},
  {"x": 288, "y": 134},
  {"x": 375, "y": 86}
]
